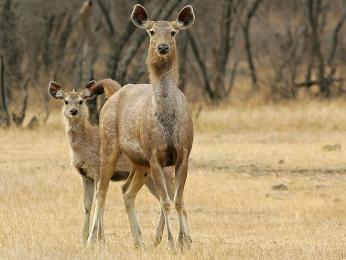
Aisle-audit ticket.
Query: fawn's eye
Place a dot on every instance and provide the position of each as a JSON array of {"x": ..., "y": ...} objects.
[
  {"x": 66, "y": 102},
  {"x": 80, "y": 102},
  {"x": 173, "y": 33},
  {"x": 151, "y": 32}
]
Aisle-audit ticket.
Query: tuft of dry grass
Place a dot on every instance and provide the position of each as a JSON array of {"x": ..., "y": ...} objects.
[{"x": 240, "y": 156}]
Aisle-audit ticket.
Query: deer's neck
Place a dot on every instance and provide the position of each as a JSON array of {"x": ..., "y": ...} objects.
[
  {"x": 164, "y": 78},
  {"x": 76, "y": 129}
]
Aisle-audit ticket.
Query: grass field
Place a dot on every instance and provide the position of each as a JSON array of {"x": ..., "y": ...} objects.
[{"x": 265, "y": 182}]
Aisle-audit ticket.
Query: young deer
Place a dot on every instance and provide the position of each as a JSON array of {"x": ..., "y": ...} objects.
[
  {"x": 84, "y": 143},
  {"x": 152, "y": 126}
]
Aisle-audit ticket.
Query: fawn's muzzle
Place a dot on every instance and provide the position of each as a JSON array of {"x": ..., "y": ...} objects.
[{"x": 163, "y": 48}]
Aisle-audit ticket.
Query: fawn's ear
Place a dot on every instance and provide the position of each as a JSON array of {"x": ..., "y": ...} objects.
[
  {"x": 55, "y": 90},
  {"x": 186, "y": 18},
  {"x": 140, "y": 17},
  {"x": 88, "y": 92}
]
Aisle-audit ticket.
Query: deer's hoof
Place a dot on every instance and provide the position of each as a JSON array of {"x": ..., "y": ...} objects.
[{"x": 185, "y": 242}]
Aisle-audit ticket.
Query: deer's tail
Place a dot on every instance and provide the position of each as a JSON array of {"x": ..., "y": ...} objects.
[{"x": 106, "y": 86}]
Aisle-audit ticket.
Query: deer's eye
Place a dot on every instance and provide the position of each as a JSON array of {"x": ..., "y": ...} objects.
[
  {"x": 173, "y": 33},
  {"x": 80, "y": 102},
  {"x": 151, "y": 32},
  {"x": 66, "y": 102}
]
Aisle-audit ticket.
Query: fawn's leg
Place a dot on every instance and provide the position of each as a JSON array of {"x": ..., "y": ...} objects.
[
  {"x": 100, "y": 233},
  {"x": 88, "y": 188}
]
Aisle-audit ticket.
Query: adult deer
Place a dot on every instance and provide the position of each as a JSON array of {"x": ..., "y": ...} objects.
[{"x": 152, "y": 125}]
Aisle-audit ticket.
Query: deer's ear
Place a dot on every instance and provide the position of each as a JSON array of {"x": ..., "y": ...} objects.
[
  {"x": 55, "y": 90},
  {"x": 140, "y": 17},
  {"x": 88, "y": 92},
  {"x": 186, "y": 18}
]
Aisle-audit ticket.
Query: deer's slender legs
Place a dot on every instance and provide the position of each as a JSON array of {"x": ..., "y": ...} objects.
[
  {"x": 109, "y": 158},
  {"x": 129, "y": 195},
  {"x": 160, "y": 182},
  {"x": 88, "y": 188},
  {"x": 128, "y": 181},
  {"x": 168, "y": 172},
  {"x": 160, "y": 227},
  {"x": 180, "y": 179},
  {"x": 100, "y": 232}
]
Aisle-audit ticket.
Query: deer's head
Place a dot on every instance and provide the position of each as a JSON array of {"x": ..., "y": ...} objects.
[
  {"x": 74, "y": 102},
  {"x": 162, "y": 33}
]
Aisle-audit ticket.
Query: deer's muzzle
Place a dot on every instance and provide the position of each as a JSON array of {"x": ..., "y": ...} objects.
[{"x": 163, "y": 48}]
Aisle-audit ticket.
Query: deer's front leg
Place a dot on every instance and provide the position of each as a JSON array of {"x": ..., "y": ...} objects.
[
  {"x": 180, "y": 179},
  {"x": 160, "y": 183},
  {"x": 109, "y": 158},
  {"x": 88, "y": 188}
]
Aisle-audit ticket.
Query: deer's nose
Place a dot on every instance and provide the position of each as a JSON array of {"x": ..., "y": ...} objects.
[
  {"x": 73, "y": 111},
  {"x": 163, "y": 48}
]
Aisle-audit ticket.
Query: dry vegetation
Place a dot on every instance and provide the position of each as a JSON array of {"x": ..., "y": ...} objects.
[{"x": 265, "y": 182}]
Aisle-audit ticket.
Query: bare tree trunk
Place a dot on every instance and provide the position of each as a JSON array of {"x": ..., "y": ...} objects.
[
  {"x": 215, "y": 87},
  {"x": 60, "y": 38},
  {"x": 223, "y": 52},
  {"x": 117, "y": 47},
  {"x": 89, "y": 56},
  {"x": 92, "y": 105},
  {"x": 202, "y": 66},
  {"x": 107, "y": 17},
  {"x": 4, "y": 115},
  {"x": 325, "y": 79},
  {"x": 247, "y": 41},
  {"x": 18, "y": 119},
  {"x": 9, "y": 44},
  {"x": 139, "y": 70}
]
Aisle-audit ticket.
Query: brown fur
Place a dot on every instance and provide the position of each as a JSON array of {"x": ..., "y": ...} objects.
[{"x": 152, "y": 125}]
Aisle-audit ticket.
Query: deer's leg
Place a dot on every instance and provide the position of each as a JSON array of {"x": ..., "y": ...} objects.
[
  {"x": 168, "y": 172},
  {"x": 137, "y": 182},
  {"x": 180, "y": 179},
  {"x": 160, "y": 183},
  {"x": 128, "y": 181},
  {"x": 160, "y": 227},
  {"x": 169, "y": 176},
  {"x": 109, "y": 157},
  {"x": 88, "y": 188},
  {"x": 100, "y": 233}
]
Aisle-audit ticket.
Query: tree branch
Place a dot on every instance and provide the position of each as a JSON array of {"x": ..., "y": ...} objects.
[{"x": 108, "y": 19}]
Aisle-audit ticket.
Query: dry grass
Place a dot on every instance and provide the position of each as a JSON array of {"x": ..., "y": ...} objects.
[{"x": 239, "y": 154}]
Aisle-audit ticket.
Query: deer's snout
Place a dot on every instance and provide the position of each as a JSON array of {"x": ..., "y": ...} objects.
[
  {"x": 73, "y": 111},
  {"x": 163, "y": 48}
]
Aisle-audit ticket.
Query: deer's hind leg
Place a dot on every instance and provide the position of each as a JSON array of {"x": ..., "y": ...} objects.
[
  {"x": 168, "y": 172},
  {"x": 136, "y": 179},
  {"x": 88, "y": 188},
  {"x": 160, "y": 183}
]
